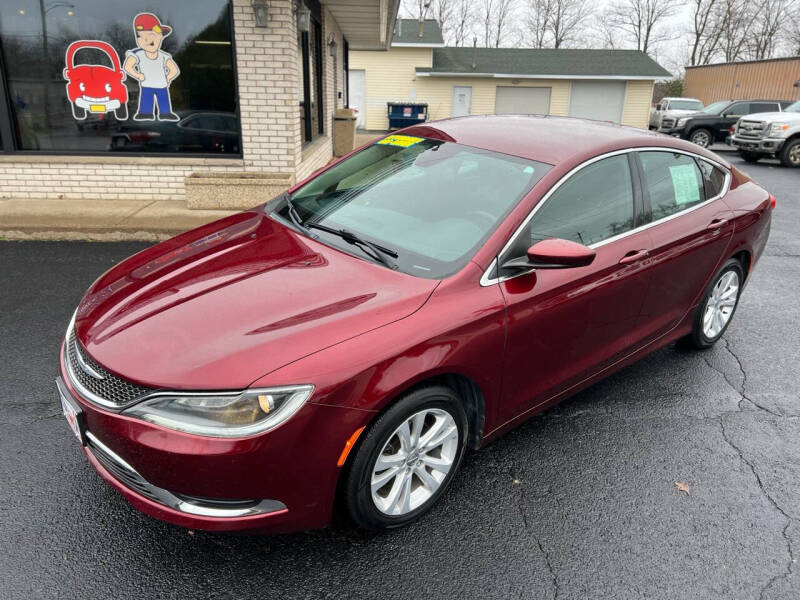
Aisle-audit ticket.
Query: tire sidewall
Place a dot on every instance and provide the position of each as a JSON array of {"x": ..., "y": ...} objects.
[
  {"x": 704, "y": 130},
  {"x": 359, "y": 501},
  {"x": 785, "y": 154},
  {"x": 699, "y": 338}
]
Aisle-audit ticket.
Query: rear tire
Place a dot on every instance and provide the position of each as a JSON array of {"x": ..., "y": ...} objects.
[
  {"x": 702, "y": 137},
  {"x": 718, "y": 305},
  {"x": 413, "y": 471},
  {"x": 790, "y": 153},
  {"x": 750, "y": 157}
]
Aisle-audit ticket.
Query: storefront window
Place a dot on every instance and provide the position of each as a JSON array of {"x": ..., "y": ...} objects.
[{"x": 93, "y": 76}]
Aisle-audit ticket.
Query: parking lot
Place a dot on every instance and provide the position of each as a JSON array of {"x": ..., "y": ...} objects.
[{"x": 580, "y": 502}]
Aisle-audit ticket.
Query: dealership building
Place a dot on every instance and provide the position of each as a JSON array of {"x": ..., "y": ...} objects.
[{"x": 202, "y": 100}]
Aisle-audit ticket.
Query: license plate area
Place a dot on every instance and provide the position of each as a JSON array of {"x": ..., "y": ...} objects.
[{"x": 72, "y": 412}]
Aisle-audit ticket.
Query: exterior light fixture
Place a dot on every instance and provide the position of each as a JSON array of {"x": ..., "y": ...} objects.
[
  {"x": 260, "y": 12},
  {"x": 303, "y": 18},
  {"x": 332, "y": 46}
]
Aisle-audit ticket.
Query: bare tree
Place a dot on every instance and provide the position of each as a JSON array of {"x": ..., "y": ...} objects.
[
  {"x": 555, "y": 23},
  {"x": 537, "y": 20},
  {"x": 566, "y": 20},
  {"x": 706, "y": 31},
  {"x": 768, "y": 29},
  {"x": 463, "y": 21},
  {"x": 793, "y": 32},
  {"x": 642, "y": 20}
]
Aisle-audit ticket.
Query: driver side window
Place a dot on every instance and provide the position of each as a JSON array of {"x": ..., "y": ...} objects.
[
  {"x": 596, "y": 203},
  {"x": 739, "y": 109}
]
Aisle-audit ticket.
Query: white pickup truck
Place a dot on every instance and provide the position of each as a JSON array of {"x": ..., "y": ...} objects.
[
  {"x": 770, "y": 134},
  {"x": 672, "y": 109}
]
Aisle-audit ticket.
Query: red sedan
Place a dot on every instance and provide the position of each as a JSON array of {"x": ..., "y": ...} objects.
[{"x": 351, "y": 338}]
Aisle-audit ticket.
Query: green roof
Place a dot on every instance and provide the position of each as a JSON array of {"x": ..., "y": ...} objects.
[
  {"x": 545, "y": 62},
  {"x": 406, "y": 31}
]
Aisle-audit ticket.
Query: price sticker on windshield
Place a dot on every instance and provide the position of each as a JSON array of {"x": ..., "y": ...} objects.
[{"x": 403, "y": 141}]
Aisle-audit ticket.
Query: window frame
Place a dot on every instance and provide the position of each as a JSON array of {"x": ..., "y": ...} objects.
[
  {"x": 8, "y": 138},
  {"x": 637, "y": 204},
  {"x": 307, "y": 130},
  {"x": 491, "y": 275}
]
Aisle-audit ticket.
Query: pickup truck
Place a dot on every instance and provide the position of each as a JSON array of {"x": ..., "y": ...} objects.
[
  {"x": 713, "y": 123},
  {"x": 670, "y": 109},
  {"x": 770, "y": 134}
]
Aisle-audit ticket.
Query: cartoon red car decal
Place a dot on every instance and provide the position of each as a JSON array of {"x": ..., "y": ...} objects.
[{"x": 96, "y": 89}]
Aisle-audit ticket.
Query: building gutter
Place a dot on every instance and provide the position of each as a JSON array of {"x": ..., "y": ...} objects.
[{"x": 518, "y": 76}]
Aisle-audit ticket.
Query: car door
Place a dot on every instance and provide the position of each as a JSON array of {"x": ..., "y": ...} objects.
[
  {"x": 566, "y": 324},
  {"x": 690, "y": 228},
  {"x": 728, "y": 118}
]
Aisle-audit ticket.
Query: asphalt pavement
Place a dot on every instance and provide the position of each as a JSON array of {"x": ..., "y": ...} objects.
[{"x": 580, "y": 502}]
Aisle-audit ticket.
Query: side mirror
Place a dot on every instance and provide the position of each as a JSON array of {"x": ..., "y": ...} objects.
[{"x": 553, "y": 253}]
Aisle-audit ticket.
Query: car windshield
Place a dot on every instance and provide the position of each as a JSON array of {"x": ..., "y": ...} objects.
[
  {"x": 432, "y": 203},
  {"x": 685, "y": 105},
  {"x": 793, "y": 107},
  {"x": 716, "y": 107}
]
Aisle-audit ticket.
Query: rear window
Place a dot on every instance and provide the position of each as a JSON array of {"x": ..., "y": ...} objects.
[{"x": 673, "y": 182}]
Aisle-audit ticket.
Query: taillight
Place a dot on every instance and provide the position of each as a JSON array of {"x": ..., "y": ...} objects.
[
  {"x": 772, "y": 201},
  {"x": 733, "y": 129}
]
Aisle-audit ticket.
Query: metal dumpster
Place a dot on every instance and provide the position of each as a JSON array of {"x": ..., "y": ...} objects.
[{"x": 403, "y": 114}]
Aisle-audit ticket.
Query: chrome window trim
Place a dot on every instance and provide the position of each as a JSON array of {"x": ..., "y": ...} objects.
[
  {"x": 172, "y": 501},
  {"x": 487, "y": 280}
]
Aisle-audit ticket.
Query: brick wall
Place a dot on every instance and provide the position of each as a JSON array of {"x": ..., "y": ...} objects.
[{"x": 268, "y": 89}]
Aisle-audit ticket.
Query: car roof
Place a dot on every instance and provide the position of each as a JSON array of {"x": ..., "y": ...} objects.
[{"x": 546, "y": 138}]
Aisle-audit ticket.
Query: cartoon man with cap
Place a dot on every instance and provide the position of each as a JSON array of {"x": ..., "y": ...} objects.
[{"x": 153, "y": 68}]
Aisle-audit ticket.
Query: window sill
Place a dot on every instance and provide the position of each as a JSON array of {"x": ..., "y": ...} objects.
[
  {"x": 309, "y": 148},
  {"x": 121, "y": 160}
]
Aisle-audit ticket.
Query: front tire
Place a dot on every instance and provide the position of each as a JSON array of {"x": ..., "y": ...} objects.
[
  {"x": 718, "y": 305},
  {"x": 750, "y": 157},
  {"x": 702, "y": 137},
  {"x": 790, "y": 154},
  {"x": 407, "y": 459}
]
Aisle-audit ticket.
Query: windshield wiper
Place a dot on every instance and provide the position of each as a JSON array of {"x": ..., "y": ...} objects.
[
  {"x": 376, "y": 251},
  {"x": 293, "y": 214}
]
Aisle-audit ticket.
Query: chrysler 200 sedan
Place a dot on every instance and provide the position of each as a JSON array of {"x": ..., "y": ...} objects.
[{"x": 344, "y": 344}]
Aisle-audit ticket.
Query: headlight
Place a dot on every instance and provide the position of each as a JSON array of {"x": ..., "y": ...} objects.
[
  {"x": 778, "y": 128},
  {"x": 682, "y": 122},
  {"x": 234, "y": 414}
]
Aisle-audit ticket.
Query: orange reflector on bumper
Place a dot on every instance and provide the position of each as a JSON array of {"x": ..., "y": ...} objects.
[{"x": 348, "y": 446}]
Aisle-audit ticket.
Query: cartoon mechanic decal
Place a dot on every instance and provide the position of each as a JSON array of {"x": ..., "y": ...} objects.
[
  {"x": 153, "y": 68},
  {"x": 95, "y": 88}
]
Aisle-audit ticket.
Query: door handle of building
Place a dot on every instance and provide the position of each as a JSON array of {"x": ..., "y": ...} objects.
[
  {"x": 633, "y": 256},
  {"x": 717, "y": 224}
]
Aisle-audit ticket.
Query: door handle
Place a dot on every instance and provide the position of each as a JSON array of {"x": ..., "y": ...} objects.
[
  {"x": 717, "y": 224},
  {"x": 633, "y": 256}
]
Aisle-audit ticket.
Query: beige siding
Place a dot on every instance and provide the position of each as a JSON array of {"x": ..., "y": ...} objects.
[
  {"x": 638, "y": 96},
  {"x": 438, "y": 93},
  {"x": 390, "y": 76},
  {"x": 774, "y": 79}
]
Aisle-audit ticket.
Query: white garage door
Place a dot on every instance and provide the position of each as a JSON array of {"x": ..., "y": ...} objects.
[
  {"x": 522, "y": 100},
  {"x": 600, "y": 100}
]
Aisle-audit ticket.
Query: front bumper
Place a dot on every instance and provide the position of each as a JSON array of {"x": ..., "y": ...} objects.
[
  {"x": 198, "y": 482},
  {"x": 673, "y": 131},
  {"x": 762, "y": 146}
]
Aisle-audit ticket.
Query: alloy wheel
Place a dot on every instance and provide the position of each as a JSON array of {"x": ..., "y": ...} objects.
[
  {"x": 720, "y": 304},
  {"x": 794, "y": 155},
  {"x": 414, "y": 462},
  {"x": 701, "y": 138}
]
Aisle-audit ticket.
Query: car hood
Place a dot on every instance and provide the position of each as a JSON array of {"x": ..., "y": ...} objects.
[
  {"x": 773, "y": 116},
  {"x": 225, "y": 304},
  {"x": 681, "y": 112}
]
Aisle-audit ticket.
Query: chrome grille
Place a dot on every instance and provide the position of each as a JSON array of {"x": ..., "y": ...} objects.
[
  {"x": 668, "y": 122},
  {"x": 121, "y": 471},
  {"x": 753, "y": 130},
  {"x": 113, "y": 390}
]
